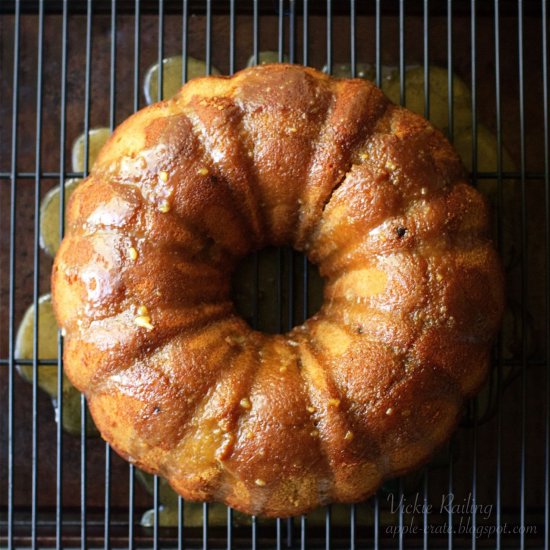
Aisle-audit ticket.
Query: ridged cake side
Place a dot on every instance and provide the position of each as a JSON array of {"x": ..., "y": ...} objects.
[{"x": 366, "y": 389}]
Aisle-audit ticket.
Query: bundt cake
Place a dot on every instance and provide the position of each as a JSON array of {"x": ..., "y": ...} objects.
[{"x": 365, "y": 389}]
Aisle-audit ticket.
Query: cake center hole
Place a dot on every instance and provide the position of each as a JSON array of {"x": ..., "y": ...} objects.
[{"x": 276, "y": 289}]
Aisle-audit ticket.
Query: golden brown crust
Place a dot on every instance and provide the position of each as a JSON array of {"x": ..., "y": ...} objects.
[{"x": 366, "y": 389}]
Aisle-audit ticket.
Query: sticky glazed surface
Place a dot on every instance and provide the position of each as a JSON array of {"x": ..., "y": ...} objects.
[{"x": 367, "y": 388}]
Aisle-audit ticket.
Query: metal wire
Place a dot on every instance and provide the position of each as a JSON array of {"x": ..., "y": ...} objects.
[
  {"x": 473, "y": 176},
  {"x": 36, "y": 278},
  {"x": 83, "y": 407},
  {"x": 160, "y": 96},
  {"x": 112, "y": 118},
  {"x": 256, "y": 31},
  {"x": 62, "y": 145},
  {"x": 402, "y": 74},
  {"x": 401, "y": 534},
  {"x": 450, "y": 81},
  {"x": 329, "y": 37},
  {"x": 305, "y": 33},
  {"x": 426, "y": 29},
  {"x": 524, "y": 273},
  {"x": 498, "y": 492},
  {"x": 136, "y": 92},
  {"x": 328, "y": 528},
  {"x": 11, "y": 303},
  {"x": 292, "y": 32},
  {"x": 481, "y": 175},
  {"x": 378, "y": 64},
  {"x": 205, "y": 526},
  {"x": 402, "y": 100},
  {"x": 547, "y": 278},
  {"x": 181, "y": 519}
]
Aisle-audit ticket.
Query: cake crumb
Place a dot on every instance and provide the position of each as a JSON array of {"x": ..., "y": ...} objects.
[
  {"x": 164, "y": 207},
  {"x": 163, "y": 176},
  {"x": 245, "y": 403},
  {"x": 132, "y": 254},
  {"x": 144, "y": 321},
  {"x": 235, "y": 340}
]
